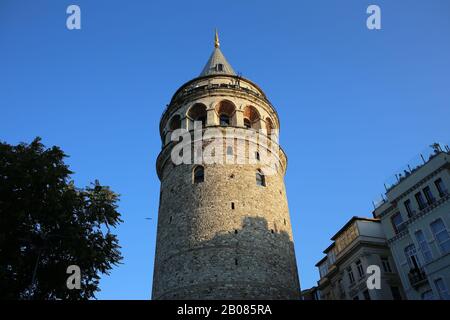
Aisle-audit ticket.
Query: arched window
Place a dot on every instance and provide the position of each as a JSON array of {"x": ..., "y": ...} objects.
[
  {"x": 198, "y": 113},
  {"x": 224, "y": 120},
  {"x": 175, "y": 123},
  {"x": 251, "y": 118},
  {"x": 269, "y": 126},
  {"x": 226, "y": 111},
  {"x": 199, "y": 174},
  {"x": 260, "y": 178}
]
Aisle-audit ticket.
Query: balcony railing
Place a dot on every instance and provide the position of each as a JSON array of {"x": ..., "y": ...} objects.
[
  {"x": 188, "y": 90},
  {"x": 412, "y": 166},
  {"x": 417, "y": 277}
]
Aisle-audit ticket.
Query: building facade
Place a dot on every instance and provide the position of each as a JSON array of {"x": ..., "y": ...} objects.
[
  {"x": 415, "y": 215},
  {"x": 344, "y": 269},
  {"x": 224, "y": 230}
]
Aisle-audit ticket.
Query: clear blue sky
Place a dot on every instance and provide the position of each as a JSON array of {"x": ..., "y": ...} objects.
[{"x": 354, "y": 104}]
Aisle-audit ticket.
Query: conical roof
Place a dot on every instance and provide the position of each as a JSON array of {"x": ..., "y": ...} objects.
[{"x": 217, "y": 63}]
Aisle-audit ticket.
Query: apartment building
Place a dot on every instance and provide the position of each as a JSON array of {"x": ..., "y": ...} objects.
[
  {"x": 415, "y": 216},
  {"x": 359, "y": 244}
]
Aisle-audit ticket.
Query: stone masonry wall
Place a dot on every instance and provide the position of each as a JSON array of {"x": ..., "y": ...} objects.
[
  {"x": 226, "y": 237},
  {"x": 207, "y": 249}
]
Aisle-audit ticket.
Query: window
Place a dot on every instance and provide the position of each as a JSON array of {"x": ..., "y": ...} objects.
[
  {"x": 360, "y": 269},
  {"x": 199, "y": 174},
  {"x": 341, "y": 287},
  {"x": 411, "y": 257},
  {"x": 224, "y": 120},
  {"x": 440, "y": 187},
  {"x": 232, "y": 205},
  {"x": 260, "y": 179},
  {"x": 219, "y": 67},
  {"x": 257, "y": 155},
  {"x": 428, "y": 195},
  {"x": 366, "y": 295},
  {"x": 397, "y": 220},
  {"x": 427, "y": 295},
  {"x": 252, "y": 119},
  {"x": 351, "y": 277},
  {"x": 323, "y": 269},
  {"x": 441, "y": 235},
  {"x": 442, "y": 289},
  {"x": 230, "y": 151},
  {"x": 225, "y": 109},
  {"x": 386, "y": 265},
  {"x": 331, "y": 257},
  {"x": 423, "y": 245},
  {"x": 407, "y": 205},
  {"x": 197, "y": 113},
  {"x": 395, "y": 291},
  {"x": 420, "y": 200},
  {"x": 269, "y": 127}
]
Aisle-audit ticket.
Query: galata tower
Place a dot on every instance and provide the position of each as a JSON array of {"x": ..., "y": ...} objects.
[{"x": 224, "y": 230}]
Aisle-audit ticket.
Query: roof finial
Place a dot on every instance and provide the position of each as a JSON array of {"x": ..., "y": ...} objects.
[{"x": 216, "y": 40}]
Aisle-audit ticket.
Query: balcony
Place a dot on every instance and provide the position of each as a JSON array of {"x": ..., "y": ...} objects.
[{"x": 417, "y": 277}]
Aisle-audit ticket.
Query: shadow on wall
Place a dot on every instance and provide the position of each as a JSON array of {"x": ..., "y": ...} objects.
[{"x": 253, "y": 262}]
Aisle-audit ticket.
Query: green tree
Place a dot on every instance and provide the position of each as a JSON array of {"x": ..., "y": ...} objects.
[{"x": 47, "y": 224}]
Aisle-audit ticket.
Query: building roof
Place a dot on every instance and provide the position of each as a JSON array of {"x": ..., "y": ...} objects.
[
  {"x": 349, "y": 223},
  {"x": 331, "y": 246},
  {"x": 217, "y": 63},
  {"x": 321, "y": 261}
]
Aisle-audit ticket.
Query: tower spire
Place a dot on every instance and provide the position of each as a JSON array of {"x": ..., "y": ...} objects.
[
  {"x": 217, "y": 64},
  {"x": 216, "y": 40}
]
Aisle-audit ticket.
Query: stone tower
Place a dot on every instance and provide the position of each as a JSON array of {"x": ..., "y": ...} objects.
[{"x": 223, "y": 227}]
